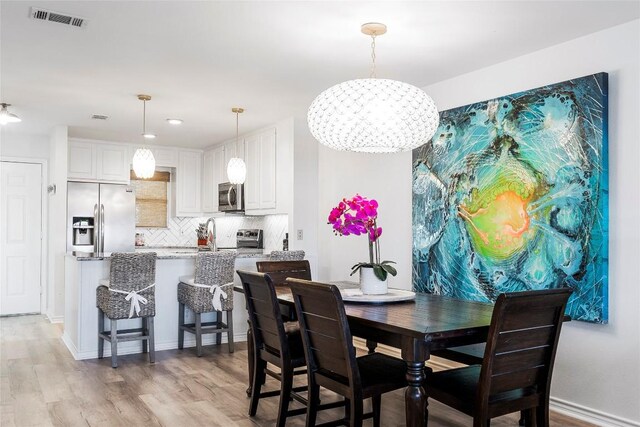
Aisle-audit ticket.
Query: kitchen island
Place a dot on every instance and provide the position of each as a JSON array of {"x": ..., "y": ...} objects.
[{"x": 83, "y": 273}]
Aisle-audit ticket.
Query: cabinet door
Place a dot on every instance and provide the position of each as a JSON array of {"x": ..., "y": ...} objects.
[
  {"x": 82, "y": 161},
  {"x": 219, "y": 173},
  {"x": 113, "y": 162},
  {"x": 267, "y": 175},
  {"x": 188, "y": 183},
  {"x": 252, "y": 183},
  {"x": 165, "y": 157},
  {"x": 208, "y": 170}
]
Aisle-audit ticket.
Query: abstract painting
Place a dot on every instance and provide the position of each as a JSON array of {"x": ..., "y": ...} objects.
[{"x": 511, "y": 194}]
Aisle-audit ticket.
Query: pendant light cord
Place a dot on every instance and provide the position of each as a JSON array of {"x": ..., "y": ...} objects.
[
  {"x": 237, "y": 130},
  {"x": 144, "y": 117},
  {"x": 373, "y": 57}
]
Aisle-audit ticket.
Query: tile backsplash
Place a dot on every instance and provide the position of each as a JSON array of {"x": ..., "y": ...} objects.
[{"x": 181, "y": 231}]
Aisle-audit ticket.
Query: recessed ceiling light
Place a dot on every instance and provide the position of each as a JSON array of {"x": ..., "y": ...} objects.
[
  {"x": 148, "y": 135},
  {"x": 174, "y": 121}
]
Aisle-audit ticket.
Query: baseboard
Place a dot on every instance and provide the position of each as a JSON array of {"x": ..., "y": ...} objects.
[
  {"x": 55, "y": 319},
  {"x": 134, "y": 347},
  {"x": 590, "y": 415},
  {"x": 561, "y": 406}
]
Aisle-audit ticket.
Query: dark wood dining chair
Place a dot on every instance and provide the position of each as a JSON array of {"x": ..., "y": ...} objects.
[
  {"x": 275, "y": 342},
  {"x": 331, "y": 358},
  {"x": 515, "y": 373},
  {"x": 279, "y": 271}
]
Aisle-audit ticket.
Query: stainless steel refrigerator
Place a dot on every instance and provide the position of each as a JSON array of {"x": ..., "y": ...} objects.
[{"x": 100, "y": 217}]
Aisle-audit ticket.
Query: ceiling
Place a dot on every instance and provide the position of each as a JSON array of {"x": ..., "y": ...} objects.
[{"x": 199, "y": 59}]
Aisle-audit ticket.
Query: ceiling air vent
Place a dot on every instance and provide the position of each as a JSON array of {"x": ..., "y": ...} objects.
[
  {"x": 99, "y": 117},
  {"x": 60, "y": 18}
]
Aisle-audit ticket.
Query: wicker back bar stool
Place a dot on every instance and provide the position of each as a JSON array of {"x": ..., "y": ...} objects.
[
  {"x": 286, "y": 255},
  {"x": 209, "y": 290},
  {"x": 128, "y": 293}
]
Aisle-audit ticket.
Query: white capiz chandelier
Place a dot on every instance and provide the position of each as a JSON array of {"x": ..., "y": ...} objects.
[
  {"x": 143, "y": 162},
  {"x": 373, "y": 115}
]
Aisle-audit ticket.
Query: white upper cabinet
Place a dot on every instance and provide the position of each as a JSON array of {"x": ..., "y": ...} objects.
[
  {"x": 214, "y": 172},
  {"x": 188, "y": 184},
  {"x": 167, "y": 157},
  {"x": 98, "y": 161},
  {"x": 82, "y": 161},
  {"x": 113, "y": 162},
  {"x": 260, "y": 185}
]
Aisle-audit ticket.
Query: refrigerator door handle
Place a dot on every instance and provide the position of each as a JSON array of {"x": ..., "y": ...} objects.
[
  {"x": 101, "y": 228},
  {"x": 96, "y": 236}
]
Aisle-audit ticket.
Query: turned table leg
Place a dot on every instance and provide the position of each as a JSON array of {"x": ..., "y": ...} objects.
[{"x": 415, "y": 397}]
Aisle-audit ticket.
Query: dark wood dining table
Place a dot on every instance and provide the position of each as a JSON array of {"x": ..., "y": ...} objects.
[{"x": 416, "y": 328}]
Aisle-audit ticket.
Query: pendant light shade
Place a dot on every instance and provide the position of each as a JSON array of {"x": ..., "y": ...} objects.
[
  {"x": 6, "y": 117},
  {"x": 373, "y": 115},
  {"x": 143, "y": 162},
  {"x": 237, "y": 169}
]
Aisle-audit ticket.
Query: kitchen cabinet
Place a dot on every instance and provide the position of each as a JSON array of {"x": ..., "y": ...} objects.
[
  {"x": 167, "y": 157},
  {"x": 260, "y": 158},
  {"x": 231, "y": 150},
  {"x": 214, "y": 172},
  {"x": 188, "y": 184},
  {"x": 98, "y": 161}
]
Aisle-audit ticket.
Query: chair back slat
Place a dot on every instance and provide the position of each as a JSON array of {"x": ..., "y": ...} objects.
[
  {"x": 264, "y": 313},
  {"x": 522, "y": 341},
  {"x": 279, "y": 271},
  {"x": 325, "y": 331}
]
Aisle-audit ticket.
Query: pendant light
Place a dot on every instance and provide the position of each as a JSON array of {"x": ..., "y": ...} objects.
[
  {"x": 144, "y": 164},
  {"x": 373, "y": 115},
  {"x": 6, "y": 117},
  {"x": 237, "y": 169}
]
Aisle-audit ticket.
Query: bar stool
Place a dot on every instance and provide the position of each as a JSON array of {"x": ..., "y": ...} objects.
[
  {"x": 286, "y": 255},
  {"x": 209, "y": 290},
  {"x": 128, "y": 293}
]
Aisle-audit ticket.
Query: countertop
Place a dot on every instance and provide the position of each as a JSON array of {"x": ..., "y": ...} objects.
[{"x": 167, "y": 252}]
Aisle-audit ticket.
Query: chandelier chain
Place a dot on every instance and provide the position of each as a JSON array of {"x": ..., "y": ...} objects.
[{"x": 373, "y": 57}]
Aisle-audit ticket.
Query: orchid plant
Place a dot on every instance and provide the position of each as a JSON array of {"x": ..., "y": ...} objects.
[{"x": 357, "y": 216}]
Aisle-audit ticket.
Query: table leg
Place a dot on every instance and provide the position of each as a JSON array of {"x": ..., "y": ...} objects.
[
  {"x": 371, "y": 345},
  {"x": 415, "y": 398},
  {"x": 250, "y": 356}
]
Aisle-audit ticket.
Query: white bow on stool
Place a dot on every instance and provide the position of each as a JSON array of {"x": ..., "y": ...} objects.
[
  {"x": 135, "y": 299},
  {"x": 217, "y": 294}
]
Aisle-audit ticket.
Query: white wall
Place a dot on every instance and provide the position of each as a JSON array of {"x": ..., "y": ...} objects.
[
  {"x": 58, "y": 141},
  {"x": 598, "y": 366},
  {"x": 15, "y": 143}
]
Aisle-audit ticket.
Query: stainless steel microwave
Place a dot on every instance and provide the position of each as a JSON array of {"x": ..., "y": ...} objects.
[{"x": 230, "y": 197}]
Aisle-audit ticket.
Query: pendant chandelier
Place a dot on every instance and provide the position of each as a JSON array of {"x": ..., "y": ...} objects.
[
  {"x": 373, "y": 115},
  {"x": 237, "y": 169},
  {"x": 144, "y": 164},
  {"x": 6, "y": 117}
]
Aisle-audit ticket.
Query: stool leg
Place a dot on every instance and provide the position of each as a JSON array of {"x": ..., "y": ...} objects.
[
  {"x": 114, "y": 343},
  {"x": 219, "y": 326},
  {"x": 230, "y": 329},
  {"x": 100, "y": 331},
  {"x": 145, "y": 332},
  {"x": 180, "y": 325},
  {"x": 152, "y": 341},
  {"x": 198, "y": 335}
]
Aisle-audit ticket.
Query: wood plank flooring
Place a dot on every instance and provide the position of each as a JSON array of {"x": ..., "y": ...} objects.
[{"x": 41, "y": 385}]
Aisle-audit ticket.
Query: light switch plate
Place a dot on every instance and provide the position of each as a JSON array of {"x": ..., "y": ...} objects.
[{"x": 299, "y": 234}]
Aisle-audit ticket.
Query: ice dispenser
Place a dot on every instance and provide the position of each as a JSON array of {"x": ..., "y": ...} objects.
[{"x": 83, "y": 231}]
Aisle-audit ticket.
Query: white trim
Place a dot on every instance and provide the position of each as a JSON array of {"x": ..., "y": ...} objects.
[
  {"x": 590, "y": 415},
  {"x": 44, "y": 222},
  {"x": 55, "y": 319},
  {"x": 133, "y": 347}
]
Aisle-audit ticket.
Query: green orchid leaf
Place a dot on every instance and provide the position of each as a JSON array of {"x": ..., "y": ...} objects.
[
  {"x": 379, "y": 272},
  {"x": 389, "y": 269},
  {"x": 387, "y": 262}
]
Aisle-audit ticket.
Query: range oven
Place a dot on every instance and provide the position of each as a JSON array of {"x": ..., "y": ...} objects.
[{"x": 230, "y": 197}]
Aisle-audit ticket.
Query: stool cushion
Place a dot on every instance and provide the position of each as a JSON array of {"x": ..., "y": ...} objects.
[
  {"x": 189, "y": 280},
  {"x": 199, "y": 299},
  {"x": 105, "y": 282}
]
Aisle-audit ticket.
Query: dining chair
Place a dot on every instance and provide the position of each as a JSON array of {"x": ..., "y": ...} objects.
[
  {"x": 515, "y": 373},
  {"x": 279, "y": 271},
  {"x": 331, "y": 358},
  {"x": 275, "y": 342}
]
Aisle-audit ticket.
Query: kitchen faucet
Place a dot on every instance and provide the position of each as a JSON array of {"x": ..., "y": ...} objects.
[{"x": 211, "y": 233}]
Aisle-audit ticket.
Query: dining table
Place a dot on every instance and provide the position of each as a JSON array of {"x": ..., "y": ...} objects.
[{"x": 417, "y": 328}]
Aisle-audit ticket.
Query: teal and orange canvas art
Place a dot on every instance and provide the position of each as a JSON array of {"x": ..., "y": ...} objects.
[{"x": 511, "y": 194}]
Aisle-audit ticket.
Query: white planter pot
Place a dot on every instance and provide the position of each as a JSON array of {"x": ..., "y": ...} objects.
[{"x": 370, "y": 284}]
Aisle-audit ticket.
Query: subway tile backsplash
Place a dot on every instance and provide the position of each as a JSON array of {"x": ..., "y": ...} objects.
[{"x": 181, "y": 231}]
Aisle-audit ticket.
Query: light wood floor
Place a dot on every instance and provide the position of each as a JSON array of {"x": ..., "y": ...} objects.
[{"x": 41, "y": 384}]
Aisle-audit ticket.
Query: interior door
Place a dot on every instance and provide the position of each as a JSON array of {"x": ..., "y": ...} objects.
[{"x": 20, "y": 237}]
